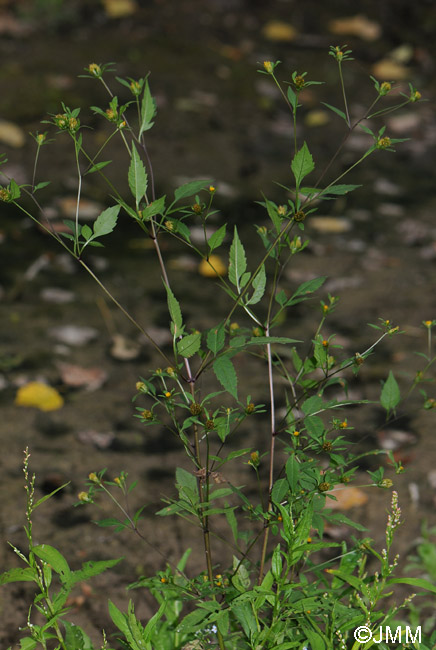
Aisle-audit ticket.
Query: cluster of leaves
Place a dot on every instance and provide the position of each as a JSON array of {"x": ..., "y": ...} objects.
[{"x": 283, "y": 589}]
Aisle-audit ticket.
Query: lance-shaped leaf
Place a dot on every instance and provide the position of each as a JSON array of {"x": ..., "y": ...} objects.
[
  {"x": 148, "y": 110},
  {"x": 226, "y": 374},
  {"x": 259, "y": 283},
  {"x": 188, "y": 189},
  {"x": 216, "y": 338},
  {"x": 302, "y": 164},
  {"x": 390, "y": 394},
  {"x": 217, "y": 238},
  {"x": 175, "y": 313},
  {"x": 137, "y": 176},
  {"x": 237, "y": 260}
]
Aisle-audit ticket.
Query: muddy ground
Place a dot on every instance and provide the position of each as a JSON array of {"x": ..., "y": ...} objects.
[{"x": 217, "y": 119}]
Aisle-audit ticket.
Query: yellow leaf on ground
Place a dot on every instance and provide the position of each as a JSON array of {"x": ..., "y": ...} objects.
[
  {"x": 119, "y": 8},
  {"x": 275, "y": 30},
  {"x": 212, "y": 268},
  {"x": 358, "y": 25},
  {"x": 39, "y": 395},
  {"x": 11, "y": 134},
  {"x": 346, "y": 498},
  {"x": 390, "y": 69}
]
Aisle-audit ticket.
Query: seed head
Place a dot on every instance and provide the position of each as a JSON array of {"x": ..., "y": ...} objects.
[
  {"x": 147, "y": 415},
  {"x": 268, "y": 66},
  {"x": 195, "y": 408},
  {"x": 250, "y": 408},
  {"x": 324, "y": 486},
  {"x": 111, "y": 115},
  {"x": 135, "y": 87},
  {"x": 299, "y": 81},
  {"x": 93, "y": 477},
  {"x": 5, "y": 195},
  {"x": 385, "y": 88},
  {"x": 140, "y": 386},
  {"x": 197, "y": 208},
  {"x": 327, "y": 445},
  {"x": 299, "y": 216}
]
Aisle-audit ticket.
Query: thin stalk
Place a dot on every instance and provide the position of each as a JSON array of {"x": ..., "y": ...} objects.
[
  {"x": 124, "y": 311},
  {"x": 35, "y": 165},
  {"x": 79, "y": 192},
  {"x": 344, "y": 95},
  {"x": 271, "y": 457}
]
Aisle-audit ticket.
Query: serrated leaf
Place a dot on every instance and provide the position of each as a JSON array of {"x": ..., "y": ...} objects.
[
  {"x": 226, "y": 375},
  {"x": 148, "y": 110},
  {"x": 19, "y": 575},
  {"x": 237, "y": 260},
  {"x": 280, "y": 490},
  {"x": 339, "y": 190},
  {"x": 215, "y": 339},
  {"x": 156, "y": 207},
  {"x": 259, "y": 284},
  {"x": 390, "y": 394},
  {"x": 185, "y": 480},
  {"x": 302, "y": 164},
  {"x": 217, "y": 238},
  {"x": 106, "y": 221},
  {"x": 91, "y": 569},
  {"x": 189, "y": 345},
  {"x": 137, "y": 176},
  {"x": 305, "y": 289},
  {"x": 188, "y": 189},
  {"x": 175, "y": 312}
]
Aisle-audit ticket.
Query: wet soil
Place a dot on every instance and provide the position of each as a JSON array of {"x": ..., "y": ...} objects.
[{"x": 216, "y": 119}]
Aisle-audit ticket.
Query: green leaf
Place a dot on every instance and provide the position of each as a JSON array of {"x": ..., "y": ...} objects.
[
  {"x": 55, "y": 559},
  {"x": 188, "y": 189},
  {"x": 91, "y": 569},
  {"x": 263, "y": 340},
  {"x": 292, "y": 97},
  {"x": 337, "y": 111},
  {"x": 86, "y": 232},
  {"x": 18, "y": 575},
  {"x": 226, "y": 375},
  {"x": 148, "y": 110},
  {"x": 307, "y": 288},
  {"x": 137, "y": 176},
  {"x": 189, "y": 345},
  {"x": 339, "y": 190},
  {"x": 280, "y": 490},
  {"x": 237, "y": 260},
  {"x": 259, "y": 283},
  {"x": 75, "y": 637},
  {"x": 97, "y": 167},
  {"x": 276, "y": 563},
  {"x": 414, "y": 582},
  {"x": 215, "y": 339},
  {"x": 175, "y": 312},
  {"x": 292, "y": 471},
  {"x": 273, "y": 215},
  {"x": 185, "y": 480},
  {"x": 156, "y": 207},
  {"x": 302, "y": 164},
  {"x": 41, "y": 185},
  {"x": 390, "y": 394},
  {"x": 106, "y": 221},
  {"x": 217, "y": 238}
]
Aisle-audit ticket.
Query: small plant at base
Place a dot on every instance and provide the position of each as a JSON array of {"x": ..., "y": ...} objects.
[{"x": 278, "y": 592}]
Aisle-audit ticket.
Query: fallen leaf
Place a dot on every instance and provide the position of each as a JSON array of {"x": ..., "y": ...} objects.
[
  {"x": 88, "y": 210},
  {"x": 124, "y": 350},
  {"x": 73, "y": 334},
  {"x": 96, "y": 438},
  {"x": 276, "y": 30},
  {"x": 317, "y": 118},
  {"x": 119, "y": 8},
  {"x": 78, "y": 377},
  {"x": 391, "y": 70},
  {"x": 330, "y": 224},
  {"x": 57, "y": 295},
  {"x": 40, "y": 396},
  {"x": 213, "y": 267},
  {"x": 358, "y": 25},
  {"x": 11, "y": 134},
  {"x": 346, "y": 498}
]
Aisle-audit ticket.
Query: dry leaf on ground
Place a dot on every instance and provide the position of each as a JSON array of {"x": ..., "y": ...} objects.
[{"x": 358, "y": 25}]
